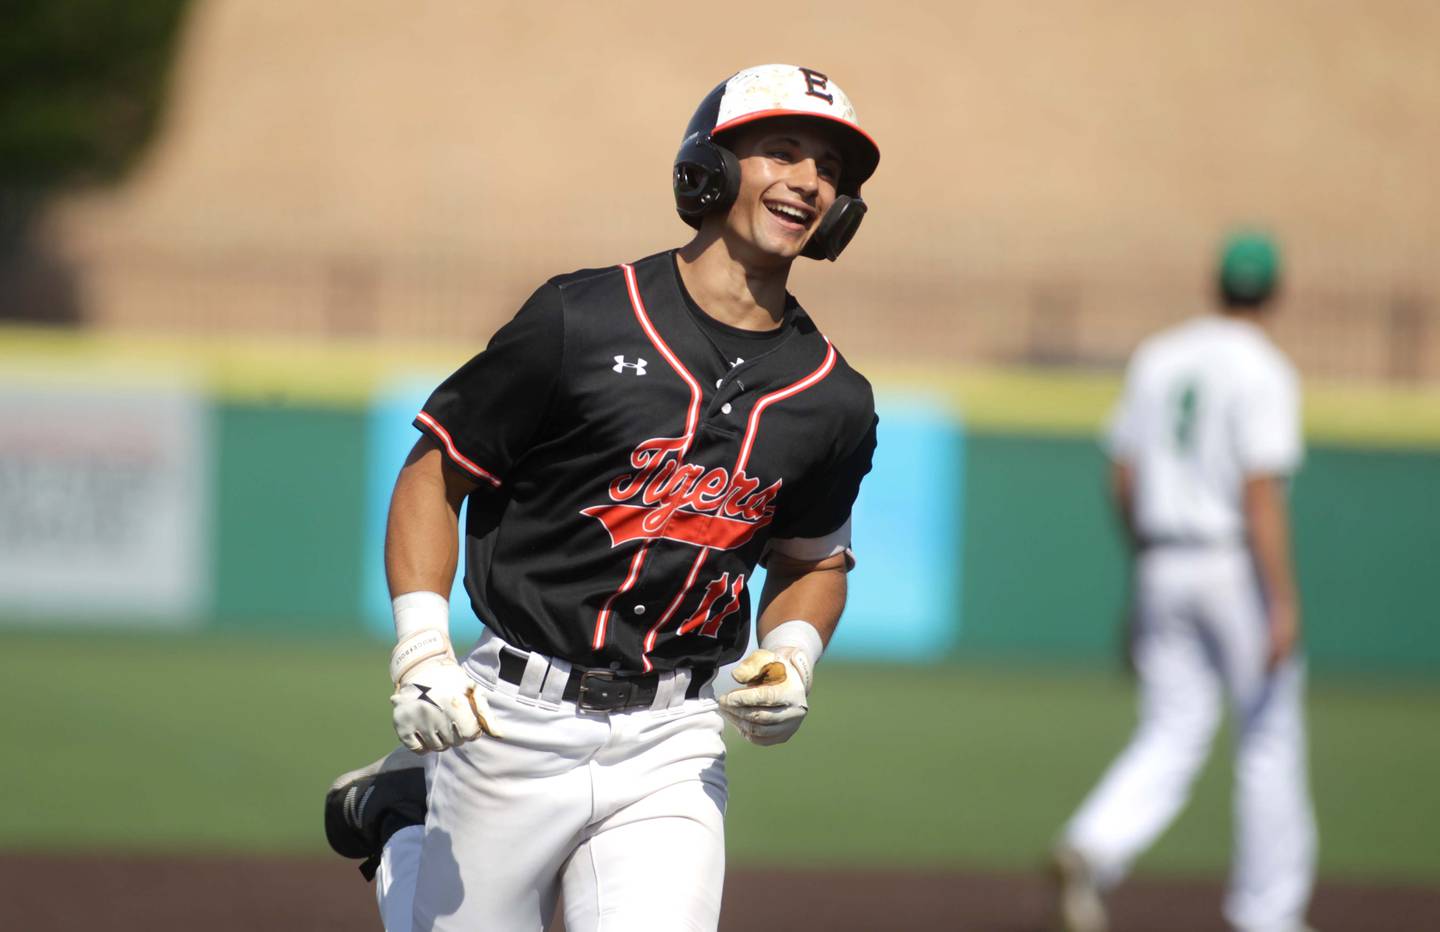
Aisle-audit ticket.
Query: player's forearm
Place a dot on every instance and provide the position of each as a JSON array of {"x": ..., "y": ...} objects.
[
  {"x": 1122, "y": 494},
  {"x": 422, "y": 534},
  {"x": 815, "y": 594},
  {"x": 1268, "y": 524},
  {"x": 799, "y": 609}
]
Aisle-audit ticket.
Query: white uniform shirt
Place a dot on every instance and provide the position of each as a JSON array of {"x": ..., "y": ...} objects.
[{"x": 1206, "y": 404}]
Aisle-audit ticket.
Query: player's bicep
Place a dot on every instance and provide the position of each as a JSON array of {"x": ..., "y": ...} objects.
[
  {"x": 781, "y": 564},
  {"x": 834, "y": 547},
  {"x": 427, "y": 460},
  {"x": 421, "y": 529}
]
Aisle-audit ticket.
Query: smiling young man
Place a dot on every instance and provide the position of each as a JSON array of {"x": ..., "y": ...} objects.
[{"x": 632, "y": 444}]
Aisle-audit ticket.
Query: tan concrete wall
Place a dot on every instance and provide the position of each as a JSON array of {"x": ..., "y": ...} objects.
[{"x": 1054, "y": 174}]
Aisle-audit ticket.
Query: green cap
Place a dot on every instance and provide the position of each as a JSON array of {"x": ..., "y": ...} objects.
[{"x": 1249, "y": 266}]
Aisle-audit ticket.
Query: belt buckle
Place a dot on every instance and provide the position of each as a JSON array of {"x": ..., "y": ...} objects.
[{"x": 601, "y": 691}]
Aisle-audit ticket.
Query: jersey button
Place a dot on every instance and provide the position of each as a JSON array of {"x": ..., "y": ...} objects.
[
  {"x": 725, "y": 408},
  {"x": 639, "y": 609},
  {"x": 719, "y": 382}
]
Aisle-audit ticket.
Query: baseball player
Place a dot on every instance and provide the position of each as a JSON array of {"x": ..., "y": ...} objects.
[
  {"x": 1203, "y": 441},
  {"x": 632, "y": 444}
]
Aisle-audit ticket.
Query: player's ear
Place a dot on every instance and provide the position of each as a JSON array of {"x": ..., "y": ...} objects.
[
  {"x": 706, "y": 180},
  {"x": 837, "y": 228}
]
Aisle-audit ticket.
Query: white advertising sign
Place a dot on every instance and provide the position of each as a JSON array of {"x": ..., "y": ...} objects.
[{"x": 103, "y": 502}]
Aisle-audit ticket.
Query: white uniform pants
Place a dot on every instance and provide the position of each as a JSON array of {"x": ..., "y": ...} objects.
[
  {"x": 622, "y": 812},
  {"x": 1201, "y": 630}
]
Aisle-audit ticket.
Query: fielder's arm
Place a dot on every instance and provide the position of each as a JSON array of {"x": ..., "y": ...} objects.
[
  {"x": 1267, "y": 520},
  {"x": 1122, "y": 496},
  {"x": 1122, "y": 493}
]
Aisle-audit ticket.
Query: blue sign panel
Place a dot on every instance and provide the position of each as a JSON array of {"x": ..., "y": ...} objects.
[{"x": 905, "y": 588}]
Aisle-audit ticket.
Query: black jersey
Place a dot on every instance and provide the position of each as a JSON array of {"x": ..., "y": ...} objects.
[{"x": 631, "y": 476}]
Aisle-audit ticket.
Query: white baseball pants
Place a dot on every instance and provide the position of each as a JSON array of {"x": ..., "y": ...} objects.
[
  {"x": 1201, "y": 631},
  {"x": 622, "y": 813}
]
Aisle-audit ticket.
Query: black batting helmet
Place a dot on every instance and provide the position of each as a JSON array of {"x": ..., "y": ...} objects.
[{"x": 707, "y": 173}]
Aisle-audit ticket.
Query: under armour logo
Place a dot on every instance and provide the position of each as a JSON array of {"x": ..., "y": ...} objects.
[{"x": 621, "y": 365}]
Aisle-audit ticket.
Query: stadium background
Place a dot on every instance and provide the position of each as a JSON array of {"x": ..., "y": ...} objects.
[{"x": 297, "y": 216}]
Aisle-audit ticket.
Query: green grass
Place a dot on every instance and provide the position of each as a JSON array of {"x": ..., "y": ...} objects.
[
  {"x": 226, "y": 744},
  {"x": 980, "y": 767},
  {"x": 159, "y": 743}
]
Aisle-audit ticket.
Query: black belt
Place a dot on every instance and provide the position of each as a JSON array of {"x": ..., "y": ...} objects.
[{"x": 603, "y": 690}]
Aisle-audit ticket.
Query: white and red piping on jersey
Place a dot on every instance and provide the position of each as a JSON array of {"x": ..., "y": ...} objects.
[
  {"x": 765, "y": 401},
  {"x": 692, "y": 421},
  {"x": 692, "y": 416},
  {"x": 795, "y": 388},
  {"x": 654, "y": 632},
  {"x": 603, "y": 622},
  {"x": 460, "y": 459}
]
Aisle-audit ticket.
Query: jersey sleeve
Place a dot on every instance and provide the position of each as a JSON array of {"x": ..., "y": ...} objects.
[
  {"x": 1121, "y": 438},
  {"x": 487, "y": 414},
  {"x": 1267, "y": 430},
  {"x": 816, "y": 523}
]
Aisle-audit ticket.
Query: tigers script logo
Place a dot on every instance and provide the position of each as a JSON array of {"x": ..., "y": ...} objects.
[{"x": 666, "y": 499}]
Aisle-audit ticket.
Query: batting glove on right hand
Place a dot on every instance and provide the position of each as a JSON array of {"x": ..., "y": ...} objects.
[
  {"x": 435, "y": 704},
  {"x": 771, "y": 702}
]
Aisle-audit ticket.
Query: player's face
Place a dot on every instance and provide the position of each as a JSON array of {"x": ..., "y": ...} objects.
[{"x": 788, "y": 173}]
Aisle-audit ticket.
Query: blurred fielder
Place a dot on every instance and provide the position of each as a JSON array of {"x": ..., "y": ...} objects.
[{"x": 1202, "y": 443}]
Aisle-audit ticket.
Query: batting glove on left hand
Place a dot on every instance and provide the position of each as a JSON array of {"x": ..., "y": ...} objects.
[
  {"x": 771, "y": 701},
  {"x": 435, "y": 704}
]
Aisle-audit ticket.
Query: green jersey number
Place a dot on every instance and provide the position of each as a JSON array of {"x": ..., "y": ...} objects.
[{"x": 1187, "y": 406}]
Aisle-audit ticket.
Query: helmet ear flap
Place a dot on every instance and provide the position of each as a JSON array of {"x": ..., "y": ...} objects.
[
  {"x": 836, "y": 228},
  {"x": 706, "y": 180}
]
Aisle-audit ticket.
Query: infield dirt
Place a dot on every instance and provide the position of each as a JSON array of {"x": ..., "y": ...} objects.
[{"x": 210, "y": 894}]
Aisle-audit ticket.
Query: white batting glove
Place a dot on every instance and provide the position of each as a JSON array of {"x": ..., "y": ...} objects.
[
  {"x": 775, "y": 681},
  {"x": 435, "y": 704}
]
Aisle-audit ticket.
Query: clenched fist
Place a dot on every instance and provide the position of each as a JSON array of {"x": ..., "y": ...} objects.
[
  {"x": 435, "y": 705},
  {"x": 770, "y": 703}
]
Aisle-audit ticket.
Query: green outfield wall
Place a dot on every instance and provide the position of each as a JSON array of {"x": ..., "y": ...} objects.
[
  {"x": 1045, "y": 572},
  {"x": 287, "y": 535},
  {"x": 1040, "y": 573},
  {"x": 1042, "y": 560}
]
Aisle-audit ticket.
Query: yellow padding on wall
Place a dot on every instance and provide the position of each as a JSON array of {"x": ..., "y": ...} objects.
[
  {"x": 330, "y": 374},
  {"x": 346, "y": 374},
  {"x": 1050, "y": 401}
]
